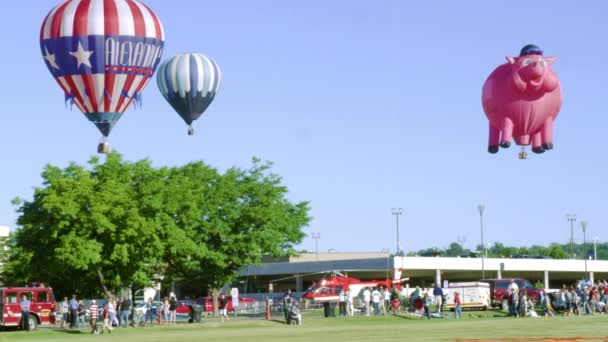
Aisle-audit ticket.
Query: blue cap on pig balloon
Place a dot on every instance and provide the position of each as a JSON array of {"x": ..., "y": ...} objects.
[{"x": 530, "y": 49}]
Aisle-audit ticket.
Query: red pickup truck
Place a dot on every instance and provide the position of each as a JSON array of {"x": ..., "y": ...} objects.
[{"x": 499, "y": 292}]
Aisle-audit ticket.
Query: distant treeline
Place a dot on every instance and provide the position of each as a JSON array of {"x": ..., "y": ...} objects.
[{"x": 498, "y": 250}]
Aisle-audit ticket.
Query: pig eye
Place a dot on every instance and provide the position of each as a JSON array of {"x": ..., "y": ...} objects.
[{"x": 527, "y": 62}]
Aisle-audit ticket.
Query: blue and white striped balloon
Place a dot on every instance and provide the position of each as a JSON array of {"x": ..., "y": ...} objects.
[{"x": 189, "y": 83}]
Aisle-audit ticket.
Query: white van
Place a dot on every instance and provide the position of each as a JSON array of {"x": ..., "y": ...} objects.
[{"x": 472, "y": 295}]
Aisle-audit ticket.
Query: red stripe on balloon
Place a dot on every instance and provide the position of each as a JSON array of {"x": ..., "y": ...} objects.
[
  {"x": 111, "y": 22},
  {"x": 89, "y": 87},
  {"x": 156, "y": 22},
  {"x": 109, "y": 88},
  {"x": 81, "y": 19},
  {"x": 78, "y": 96},
  {"x": 138, "y": 19},
  {"x": 56, "y": 23},
  {"x": 126, "y": 87}
]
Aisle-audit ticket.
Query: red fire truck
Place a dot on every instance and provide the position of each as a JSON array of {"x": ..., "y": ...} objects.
[{"x": 42, "y": 308}]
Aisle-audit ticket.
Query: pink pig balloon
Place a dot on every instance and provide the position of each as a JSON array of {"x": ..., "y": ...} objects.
[{"x": 521, "y": 99}]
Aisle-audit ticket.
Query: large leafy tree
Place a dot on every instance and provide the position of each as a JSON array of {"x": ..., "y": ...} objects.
[
  {"x": 99, "y": 228},
  {"x": 232, "y": 220},
  {"x": 90, "y": 229}
]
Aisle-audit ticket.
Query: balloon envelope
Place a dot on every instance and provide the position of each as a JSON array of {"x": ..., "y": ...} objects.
[
  {"x": 102, "y": 53},
  {"x": 189, "y": 83},
  {"x": 521, "y": 99}
]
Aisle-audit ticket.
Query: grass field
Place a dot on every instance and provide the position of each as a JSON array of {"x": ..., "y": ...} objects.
[{"x": 315, "y": 328}]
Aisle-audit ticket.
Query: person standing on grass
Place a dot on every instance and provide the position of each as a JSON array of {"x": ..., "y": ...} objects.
[
  {"x": 376, "y": 298},
  {"x": 342, "y": 302},
  {"x": 287, "y": 301},
  {"x": 150, "y": 313},
  {"x": 172, "y": 307},
  {"x": 111, "y": 307},
  {"x": 93, "y": 317},
  {"x": 224, "y": 307},
  {"x": 386, "y": 294},
  {"x": 64, "y": 310},
  {"x": 24, "y": 304},
  {"x": 81, "y": 315},
  {"x": 125, "y": 310},
  {"x": 513, "y": 303},
  {"x": 457, "y": 305},
  {"x": 73, "y": 312},
  {"x": 427, "y": 301},
  {"x": 166, "y": 306},
  {"x": 438, "y": 293},
  {"x": 349, "y": 303},
  {"x": 367, "y": 296},
  {"x": 107, "y": 320}
]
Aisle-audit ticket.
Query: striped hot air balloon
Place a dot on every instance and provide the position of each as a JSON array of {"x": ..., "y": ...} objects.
[
  {"x": 102, "y": 53},
  {"x": 189, "y": 83}
]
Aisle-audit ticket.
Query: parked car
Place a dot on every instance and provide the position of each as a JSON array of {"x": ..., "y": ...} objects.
[{"x": 500, "y": 295}]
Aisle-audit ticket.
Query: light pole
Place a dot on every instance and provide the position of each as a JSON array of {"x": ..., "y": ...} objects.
[
  {"x": 397, "y": 212},
  {"x": 481, "y": 208},
  {"x": 316, "y": 236},
  {"x": 595, "y": 239},
  {"x": 584, "y": 226},
  {"x": 571, "y": 218}
]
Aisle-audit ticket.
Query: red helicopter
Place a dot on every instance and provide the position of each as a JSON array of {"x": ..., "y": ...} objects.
[{"x": 328, "y": 288}]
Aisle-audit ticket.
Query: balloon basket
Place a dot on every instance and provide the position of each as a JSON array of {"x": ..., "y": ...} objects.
[
  {"x": 523, "y": 155},
  {"x": 190, "y": 130},
  {"x": 103, "y": 147}
]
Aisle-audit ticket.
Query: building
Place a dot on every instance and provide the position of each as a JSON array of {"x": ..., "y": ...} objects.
[{"x": 299, "y": 272}]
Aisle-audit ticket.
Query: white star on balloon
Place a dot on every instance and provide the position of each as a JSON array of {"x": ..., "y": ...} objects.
[
  {"x": 82, "y": 56},
  {"x": 50, "y": 57}
]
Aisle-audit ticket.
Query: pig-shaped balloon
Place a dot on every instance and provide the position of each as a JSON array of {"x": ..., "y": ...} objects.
[{"x": 521, "y": 99}]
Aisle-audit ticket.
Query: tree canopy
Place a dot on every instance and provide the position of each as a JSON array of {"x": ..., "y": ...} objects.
[{"x": 108, "y": 225}]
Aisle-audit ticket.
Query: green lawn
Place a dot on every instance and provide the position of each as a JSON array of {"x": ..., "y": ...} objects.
[{"x": 315, "y": 328}]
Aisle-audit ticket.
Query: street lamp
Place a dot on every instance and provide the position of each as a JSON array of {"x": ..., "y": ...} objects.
[
  {"x": 584, "y": 226},
  {"x": 595, "y": 239},
  {"x": 571, "y": 218},
  {"x": 481, "y": 208},
  {"x": 397, "y": 212},
  {"x": 316, "y": 236}
]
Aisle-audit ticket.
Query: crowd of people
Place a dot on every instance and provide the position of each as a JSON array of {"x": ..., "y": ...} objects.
[
  {"x": 116, "y": 312},
  {"x": 581, "y": 298}
]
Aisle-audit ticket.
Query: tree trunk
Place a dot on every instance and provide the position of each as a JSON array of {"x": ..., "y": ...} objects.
[
  {"x": 215, "y": 294},
  {"x": 102, "y": 283}
]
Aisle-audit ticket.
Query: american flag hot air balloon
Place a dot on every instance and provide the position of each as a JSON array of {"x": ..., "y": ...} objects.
[{"x": 102, "y": 53}]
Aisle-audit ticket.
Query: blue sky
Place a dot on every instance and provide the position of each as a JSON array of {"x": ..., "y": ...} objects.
[{"x": 361, "y": 105}]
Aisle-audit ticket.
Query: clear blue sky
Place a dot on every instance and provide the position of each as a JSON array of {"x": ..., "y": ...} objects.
[{"x": 362, "y": 105}]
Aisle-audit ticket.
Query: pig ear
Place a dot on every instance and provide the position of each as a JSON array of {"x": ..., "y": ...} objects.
[
  {"x": 511, "y": 59},
  {"x": 550, "y": 60}
]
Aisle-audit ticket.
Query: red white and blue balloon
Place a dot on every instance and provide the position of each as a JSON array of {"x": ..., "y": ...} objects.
[
  {"x": 189, "y": 83},
  {"x": 102, "y": 53}
]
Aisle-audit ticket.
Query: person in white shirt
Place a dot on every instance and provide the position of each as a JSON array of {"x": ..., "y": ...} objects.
[
  {"x": 366, "y": 299},
  {"x": 512, "y": 286},
  {"x": 387, "y": 301},
  {"x": 349, "y": 303},
  {"x": 376, "y": 298},
  {"x": 342, "y": 302}
]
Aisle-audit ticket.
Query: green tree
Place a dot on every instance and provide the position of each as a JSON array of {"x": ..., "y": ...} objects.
[
  {"x": 234, "y": 220},
  {"x": 90, "y": 230},
  {"x": 116, "y": 224}
]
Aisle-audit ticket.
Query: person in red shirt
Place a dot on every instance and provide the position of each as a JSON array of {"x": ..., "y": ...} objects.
[
  {"x": 457, "y": 305},
  {"x": 93, "y": 314},
  {"x": 107, "y": 325}
]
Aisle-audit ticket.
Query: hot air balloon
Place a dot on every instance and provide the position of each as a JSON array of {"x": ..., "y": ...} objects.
[
  {"x": 189, "y": 83},
  {"x": 521, "y": 99},
  {"x": 102, "y": 54}
]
